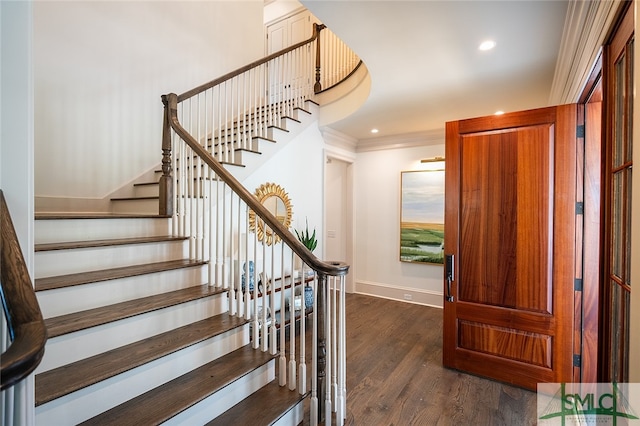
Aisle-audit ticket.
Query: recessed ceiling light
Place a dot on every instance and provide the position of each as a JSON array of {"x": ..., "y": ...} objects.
[
  {"x": 374, "y": 130},
  {"x": 487, "y": 45}
]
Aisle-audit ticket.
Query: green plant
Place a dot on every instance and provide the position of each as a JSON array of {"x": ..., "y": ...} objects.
[{"x": 305, "y": 238}]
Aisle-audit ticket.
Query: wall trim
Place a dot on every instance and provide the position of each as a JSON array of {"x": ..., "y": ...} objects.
[
  {"x": 407, "y": 140},
  {"x": 386, "y": 291},
  {"x": 337, "y": 139},
  {"x": 586, "y": 27}
]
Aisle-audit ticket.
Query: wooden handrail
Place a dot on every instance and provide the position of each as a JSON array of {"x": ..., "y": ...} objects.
[
  {"x": 257, "y": 105},
  {"x": 329, "y": 268},
  {"x": 22, "y": 312},
  {"x": 343, "y": 80},
  {"x": 186, "y": 95}
]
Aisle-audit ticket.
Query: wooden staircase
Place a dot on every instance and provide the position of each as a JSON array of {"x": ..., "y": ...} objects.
[
  {"x": 142, "y": 196},
  {"x": 136, "y": 333}
]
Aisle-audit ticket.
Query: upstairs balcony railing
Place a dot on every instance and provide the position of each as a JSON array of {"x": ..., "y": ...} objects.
[{"x": 212, "y": 125}]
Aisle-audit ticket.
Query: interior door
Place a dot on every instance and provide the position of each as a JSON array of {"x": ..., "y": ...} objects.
[
  {"x": 286, "y": 32},
  {"x": 280, "y": 35},
  {"x": 510, "y": 241}
]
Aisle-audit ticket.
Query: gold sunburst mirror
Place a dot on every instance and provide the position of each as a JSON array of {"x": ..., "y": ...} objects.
[{"x": 275, "y": 199}]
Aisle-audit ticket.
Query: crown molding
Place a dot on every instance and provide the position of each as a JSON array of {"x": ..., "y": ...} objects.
[
  {"x": 585, "y": 30},
  {"x": 339, "y": 140},
  {"x": 407, "y": 140}
]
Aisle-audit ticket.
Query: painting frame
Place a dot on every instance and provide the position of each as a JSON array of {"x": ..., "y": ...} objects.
[{"x": 422, "y": 216}]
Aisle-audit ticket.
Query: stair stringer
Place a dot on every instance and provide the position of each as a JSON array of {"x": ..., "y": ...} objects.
[
  {"x": 137, "y": 197},
  {"x": 268, "y": 150}
]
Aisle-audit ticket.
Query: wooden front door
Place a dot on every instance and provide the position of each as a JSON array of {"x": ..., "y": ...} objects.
[{"x": 510, "y": 229}]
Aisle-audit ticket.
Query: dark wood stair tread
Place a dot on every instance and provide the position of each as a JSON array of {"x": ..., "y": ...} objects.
[
  {"x": 69, "y": 378},
  {"x": 135, "y": 198},
  {"x": 262, "y": 408},
  {"x": 89, "y": 215},
  {"x": 66, "y": 245},
  {"x": 166, "y": 401},
  {"x": 70, "y": 323},
  {"x": 68, "y": 280}
]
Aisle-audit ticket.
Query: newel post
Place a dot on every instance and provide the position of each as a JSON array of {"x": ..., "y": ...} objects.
[
  {"x": 166, "y": 181},
  {"x": 318, "y": 86},
  {"x": 322, "y": 344}
]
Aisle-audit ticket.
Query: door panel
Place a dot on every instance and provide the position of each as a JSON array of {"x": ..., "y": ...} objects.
[
  {"x": 280, "y": 35},
  {"x": 510, "y": 224}
]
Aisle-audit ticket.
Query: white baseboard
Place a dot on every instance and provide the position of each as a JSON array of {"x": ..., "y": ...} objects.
[{"x": 402, "y": 294}]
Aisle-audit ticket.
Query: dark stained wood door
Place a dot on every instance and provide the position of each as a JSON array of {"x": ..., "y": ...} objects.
[{"x": 510, "y": 225}]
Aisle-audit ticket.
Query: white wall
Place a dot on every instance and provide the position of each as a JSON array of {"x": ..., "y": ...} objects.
[
  {"x": 278, "y": 8},
  {"x": 378, "y": 270},
  {"x": 298, "y": 168},
  {"x": 100, "y": 69},
  {"x": 16, "y": 167},
  {"x": 16, "y": 120}
]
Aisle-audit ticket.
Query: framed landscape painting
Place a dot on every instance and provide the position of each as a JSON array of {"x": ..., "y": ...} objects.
[{"x": 422, "y": 216}]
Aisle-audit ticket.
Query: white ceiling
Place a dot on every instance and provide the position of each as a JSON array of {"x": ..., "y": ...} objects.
[{"x": 425, "y": 65}]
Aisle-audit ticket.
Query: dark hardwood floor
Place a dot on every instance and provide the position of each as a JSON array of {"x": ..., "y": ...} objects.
[{"x": 395, "y": 374}]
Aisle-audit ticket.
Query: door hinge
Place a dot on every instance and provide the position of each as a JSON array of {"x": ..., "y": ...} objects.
[
  {"x": 577, "y": 360},
  {"x": 580, "y": 208},
  {"x": 580, "y": 131},
  {"x": 577, "y": 284}
]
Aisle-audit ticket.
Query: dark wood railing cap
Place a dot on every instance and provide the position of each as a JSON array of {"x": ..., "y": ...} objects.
[
  {"x": 22, "y": 312},
  {"x": 186, "y": 95},
  {"x": 328, "y": 268}
]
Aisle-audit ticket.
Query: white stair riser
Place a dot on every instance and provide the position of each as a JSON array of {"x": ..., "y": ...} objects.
[
  {"x": 66, "y": 300},
  {"x": 300, "y": 115},
  {"x": 293, "y": 417},
  {"x": 150, "y": 206},
  {"x": 277, "y": 133},
  {"x": 61, "y": 262},
  {"x": 88, "y": 402},
  {"x": 211, "y": 407},
  {"x": 146, "y": 190},
  {"x": 59, "y": 230},
  {"x": 72, "y": 347}
]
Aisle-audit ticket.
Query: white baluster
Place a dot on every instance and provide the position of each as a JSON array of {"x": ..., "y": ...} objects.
[
  {"x": 264, "y": 298},
  {"x": 215, "y": 239},
  {"x": 328, "y": 338},
  {"x": 314, "y": 357},
  {"x": 334, "y": 335},
  {"x": 270, "y": 283},
  {"x": 223, "y": 235},
  {"x": 341, "y": 414},
  {"x": 283, "y": 346},
  {"x": 292, "y": 329},
  {"x": 197, "y": 196},
  {"x": 302, "y": 376},
  {"x": 256, "y": 325},
  {"x": 245, "y": 292},
  {"x": 234, "y": 273}
]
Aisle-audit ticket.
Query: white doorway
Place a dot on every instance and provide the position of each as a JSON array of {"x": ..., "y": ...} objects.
[{"x": 338, "y": 213}]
